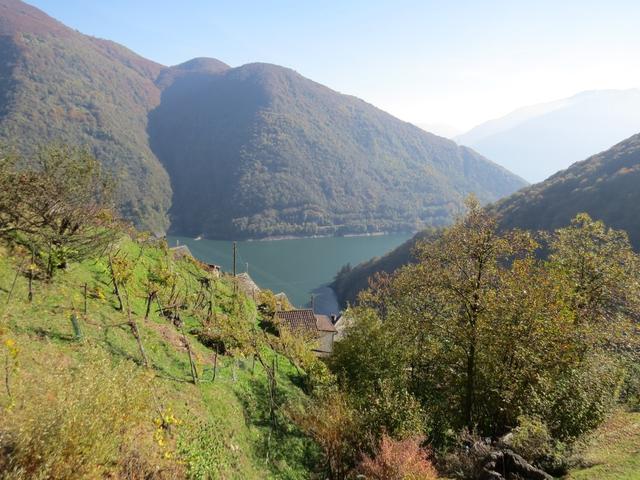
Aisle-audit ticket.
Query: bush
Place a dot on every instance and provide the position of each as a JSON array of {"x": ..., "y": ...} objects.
[
  {"x": 334, "y": 428},
  {"x": 78, "y": 420},
  {"x": 398, "y": 460},
  {"x": 581, "y": 398},
  {"x": 532, "y": 440}
]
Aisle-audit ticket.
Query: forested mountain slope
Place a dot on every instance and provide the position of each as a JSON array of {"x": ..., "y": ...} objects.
[
  {"x": 252, "y": 151},
  {"x": 61, "y": 86},
  {"x": 260, "y": 150},
  {"x": 606, "y": 186}
]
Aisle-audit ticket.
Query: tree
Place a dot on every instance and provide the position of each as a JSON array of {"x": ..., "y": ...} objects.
[
  {"x": 61, "y": 209},
  {"x": 483, "y": 329}
]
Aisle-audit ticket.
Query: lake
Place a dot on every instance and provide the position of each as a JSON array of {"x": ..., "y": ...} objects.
[{"x": 299, "y": 267}]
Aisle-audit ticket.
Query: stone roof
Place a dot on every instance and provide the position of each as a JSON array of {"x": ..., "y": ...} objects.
[
  {"x": 325, "y": 324},
  {"x": 305, "y": 320},
  {"x": 298, "y": 320},
  {"x": 307, "y": 323}
]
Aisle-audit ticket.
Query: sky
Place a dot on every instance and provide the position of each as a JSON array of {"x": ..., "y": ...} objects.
[{"x": 446, "y": 65}]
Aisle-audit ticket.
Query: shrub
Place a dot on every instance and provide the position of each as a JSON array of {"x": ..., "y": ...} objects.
[
  {"x": 398, "y": 460},
  {"x": 531, "y": 439},
  {"x": 333, "y": 425}
]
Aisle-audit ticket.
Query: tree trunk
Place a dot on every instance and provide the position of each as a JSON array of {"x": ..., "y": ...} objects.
[{"x": 470, "y": 386}]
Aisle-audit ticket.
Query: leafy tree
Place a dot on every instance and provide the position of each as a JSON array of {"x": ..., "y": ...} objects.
[
  {"x": 483, "y": 330},
  {"x": 61, "y": 209}
]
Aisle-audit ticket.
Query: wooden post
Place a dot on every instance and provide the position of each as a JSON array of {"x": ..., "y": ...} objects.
[
  {"x": 15, "y": 279},
  {"x": 150, "y": 298},
  {"x": 194, "y": 370},
  {"x": 116, "y": 290},
  {"x": 76, "y": 326},
  {"x": 33, "y": 259},
  {"x": 215, "y": 364},
  {"x": 85, "y": 299},
  {"x": 235, "y": 249}
]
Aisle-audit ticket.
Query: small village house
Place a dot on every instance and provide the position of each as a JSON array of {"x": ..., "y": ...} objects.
[{"x": 311, "y": 325}]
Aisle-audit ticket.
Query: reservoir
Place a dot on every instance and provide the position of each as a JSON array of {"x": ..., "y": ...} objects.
[{"x": 299, "y": 267}]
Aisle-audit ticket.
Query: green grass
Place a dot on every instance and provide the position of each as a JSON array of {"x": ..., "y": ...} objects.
[
  {"x": 233, "y": 408},
  {"x": 614, "y": 451}
]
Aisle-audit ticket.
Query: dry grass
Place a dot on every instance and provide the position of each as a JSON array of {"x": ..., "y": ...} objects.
[{"x": 70, "y": 419}]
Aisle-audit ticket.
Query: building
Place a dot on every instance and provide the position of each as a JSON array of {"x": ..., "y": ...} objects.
[{"x": 308, "y": 324}]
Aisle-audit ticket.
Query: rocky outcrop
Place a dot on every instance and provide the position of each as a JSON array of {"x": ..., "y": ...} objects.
[{"x": 507, "y": 465}]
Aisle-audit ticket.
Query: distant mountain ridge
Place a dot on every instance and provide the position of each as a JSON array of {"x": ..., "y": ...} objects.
[
  {"x": 537, "y": 141},
  {"x": 252, "y": 151}
]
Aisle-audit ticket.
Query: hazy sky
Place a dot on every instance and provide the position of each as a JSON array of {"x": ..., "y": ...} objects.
[{"x": 449, "y": 62}]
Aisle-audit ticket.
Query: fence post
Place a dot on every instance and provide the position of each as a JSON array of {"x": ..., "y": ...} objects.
[
  {"x": 85, "y": 299},
  {"x": 76, "y": 326}
]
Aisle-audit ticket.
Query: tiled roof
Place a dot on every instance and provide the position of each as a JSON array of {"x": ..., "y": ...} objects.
[
  {"x": 305, "y": 320},
  {"x": 298, "y": 320}
]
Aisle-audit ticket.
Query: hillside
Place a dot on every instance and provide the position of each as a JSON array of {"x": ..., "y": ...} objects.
[
  {"x": 67, "y": 379},
  {"x": 605, "y": 186},
  {"x": 278, "y": 154},
  {"x": 61, "y": 86},
  {"x": 535, "y": 142}
]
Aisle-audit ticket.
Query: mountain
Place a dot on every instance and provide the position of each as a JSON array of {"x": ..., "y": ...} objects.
[
  {"x": 261, "y": 150},
  {"x": 58, "y": 85},
  {"x": 441, "y": 129},
  {"x": 535, "y": 142},
  {"x": 606, "y": 186},
  {"x": 251, "y": 151}
]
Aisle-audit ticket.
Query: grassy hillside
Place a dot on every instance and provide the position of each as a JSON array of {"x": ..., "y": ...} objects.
[
  {"x": 614, "y": 451},
  {"x": 217, "y": 428},
  {"x": 259, "y": 150},
  {"x": 605, "y": 186}
]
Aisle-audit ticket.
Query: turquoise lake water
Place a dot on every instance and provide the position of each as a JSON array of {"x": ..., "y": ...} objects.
[{"x": 298, "y": 267}]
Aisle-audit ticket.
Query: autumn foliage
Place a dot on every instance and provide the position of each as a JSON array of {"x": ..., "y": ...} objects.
[{"x": 398, "y": 460}]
